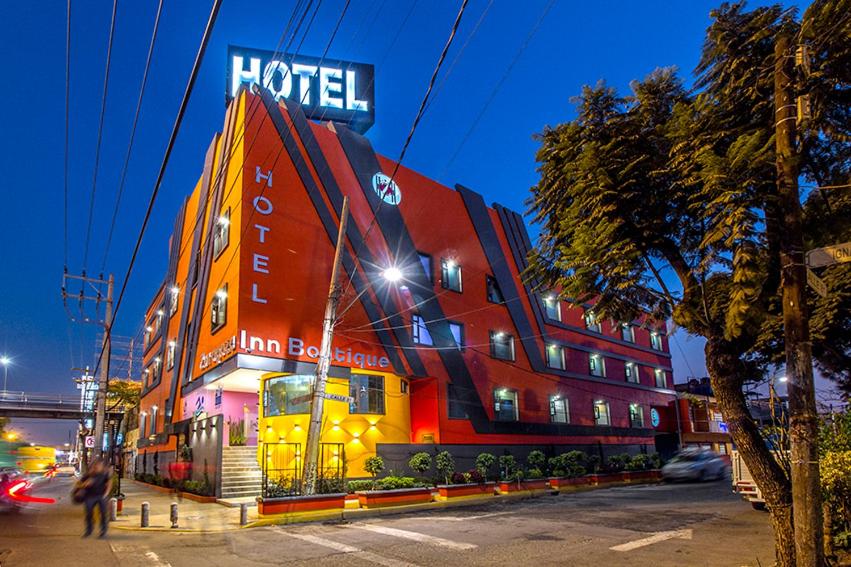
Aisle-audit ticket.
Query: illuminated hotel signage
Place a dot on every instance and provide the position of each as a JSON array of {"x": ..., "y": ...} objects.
[{"x": 327, "y": 89}]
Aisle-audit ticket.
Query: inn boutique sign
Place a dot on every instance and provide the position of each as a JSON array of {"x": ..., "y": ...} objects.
[{"x": 327, "y": 89}]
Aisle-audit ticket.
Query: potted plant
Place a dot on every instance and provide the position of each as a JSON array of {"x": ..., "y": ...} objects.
[
  {"x": 420, "y": 463},
  {"x": 392, "y": 491},
  {"x": 568, "y": 469},
  {"x": 464, "y": 485},
  {"x": 445, "y": 465}
]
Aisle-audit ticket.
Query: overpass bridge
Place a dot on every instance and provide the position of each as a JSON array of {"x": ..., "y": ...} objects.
[{"x": 44, "y": 406}]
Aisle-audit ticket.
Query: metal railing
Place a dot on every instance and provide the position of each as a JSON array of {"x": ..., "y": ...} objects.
[
  {"x": 30, "y": 399},
  {"x": 282, "y": 467}
]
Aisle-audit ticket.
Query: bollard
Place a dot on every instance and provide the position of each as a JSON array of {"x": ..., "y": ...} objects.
[
  {"x": 113, "y": 509},
  {"x": 174, "y": 514},
  {"x": 243, "y": 514},
  {"x": 145, "y": 514}
]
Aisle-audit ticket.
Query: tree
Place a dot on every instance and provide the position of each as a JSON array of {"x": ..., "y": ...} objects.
[
  {"x": 666, "y": 180},
  {"x": 374, "y": 465},
  {"x": 123, "y": 394},
  {"x": 445, "y": 465}
]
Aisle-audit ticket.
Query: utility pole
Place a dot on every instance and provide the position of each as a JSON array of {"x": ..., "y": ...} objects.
[
  {"x": 317, "y": 405},
  {"x": 803, "y": 421}
]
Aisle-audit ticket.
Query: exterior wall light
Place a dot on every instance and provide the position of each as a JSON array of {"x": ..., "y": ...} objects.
[
  {"x": 222, "y": 294},
  {"x": 392, "y": 274}
]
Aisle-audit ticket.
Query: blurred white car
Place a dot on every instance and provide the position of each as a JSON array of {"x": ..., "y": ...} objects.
[{"x": 695, "y": 464}]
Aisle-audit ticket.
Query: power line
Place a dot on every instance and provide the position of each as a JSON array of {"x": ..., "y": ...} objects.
[
  {"x": 100, "y": 132},
  {"x": 132, "y": 134}
]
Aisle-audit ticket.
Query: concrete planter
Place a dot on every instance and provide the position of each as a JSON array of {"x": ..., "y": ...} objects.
[
  {"x": 564, "y": 482},
  {"x": 296, "y": 504},
  {"x": 397, "y": 497},
  {"x": 523, "y": 486},
  {"x": 640, "y": 476},
  {"x": 450, "y": 491},
  {"x": 199, "y": 498},
  {"x": 607, "y": 478}
]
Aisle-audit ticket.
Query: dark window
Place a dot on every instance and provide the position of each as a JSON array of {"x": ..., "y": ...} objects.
[
  {"x": 455, "y": 406},
  {"x": 636, "y": 415},
  {"x": 419, "y": 331},
  {"x": 494, "y": 293},
  {"x": 555, "y": 357},
  {"x": 221, "y": 237},
  {"x": 502, "y": 345},
  {"x": 403, "y": 386},
  {"x": 154, "y": 411},
  {"x": 450, "y": 274},
  {"x": 219, "y": 309},
  {"x": 425, "y": 259},
  {"x": 287, "y": 395},
  {"x": 505, "y": 405},
  {"x": 368, "y": 393},
  {"x": 627, "y": 333}
]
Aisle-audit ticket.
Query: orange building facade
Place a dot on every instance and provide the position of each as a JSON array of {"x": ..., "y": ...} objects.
[{"x": 472, "y": 356}]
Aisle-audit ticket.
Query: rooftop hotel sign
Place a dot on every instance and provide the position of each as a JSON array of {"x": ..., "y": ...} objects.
[{"x": 327, "y": 89}]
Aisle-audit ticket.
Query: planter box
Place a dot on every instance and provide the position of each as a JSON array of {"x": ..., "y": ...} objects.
[
  {"x": 198, "y": 498},
  {"x": 654, "y": 474},
  {"x": 562, "y": 482},
  {"x": 523, "y": 486},
  {"x": 294, "y": 504},
  {"x": 449, "y": 491},
  {"x": 398, "y": 497},
  {"x": 604, "y": 478}
]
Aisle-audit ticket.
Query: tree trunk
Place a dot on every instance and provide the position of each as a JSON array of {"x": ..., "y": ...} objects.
[
  {"x": 725, "y": 375},
  {"x": 803, "y": 419}
]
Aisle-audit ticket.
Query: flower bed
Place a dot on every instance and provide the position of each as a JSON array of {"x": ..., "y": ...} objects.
[
  {"x": 450, "y": 491},
  {"x": 523, "y": 485},
  {"x": 397, "y": 497},
  {"x": 563, "y": 482},
  {"x": 292, "y": 504}
]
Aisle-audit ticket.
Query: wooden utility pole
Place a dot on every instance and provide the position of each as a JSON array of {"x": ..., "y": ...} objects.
[
  {"x": 317, "y": 405},
  {"x": 803, "y": 420}
]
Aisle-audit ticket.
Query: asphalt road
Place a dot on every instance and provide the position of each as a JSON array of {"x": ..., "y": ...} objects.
[{"x": 660, "y": 525}]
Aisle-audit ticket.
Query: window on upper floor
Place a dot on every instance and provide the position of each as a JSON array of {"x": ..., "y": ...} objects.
[
  {"x": 502, "y": 345},
  {"x": 552, "y": 307},
  {"x": 636, "y": 415},
  {"x": 559, "y": 409},
  {"x": 221, "y": 236},
  {"x": 627, "y": 332},
  {"x": 154, "y": 411},
  {"x": 655, "y": 340},
  {"x": 169, "y": 354},
  {"x": 493, "y": 291},
  {"x": 143, "y": 421},
  {"x": 555, "y": 356},
  {"x": 457, "y": 330},
  {"x": 174, "y": 297},
  {"x": 601, "y": 413},
  {"x": 661, "y": 378},
  {"x": 591, "y": 321},
  {"x": 631, "y": 372},
  {"x": 419, "y": 331},
  {"x": 596, "y": 365},
  {"x": 367, "y": 392},
  {"x": 505, "y": 405},
  {"x": 219, "y": 309},
  {"x": 425, "y": 260},
  {"x": 450, "y": 277}
]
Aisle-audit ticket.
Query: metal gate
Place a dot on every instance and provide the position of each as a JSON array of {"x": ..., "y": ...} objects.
[{"x": 282, "y": 469}]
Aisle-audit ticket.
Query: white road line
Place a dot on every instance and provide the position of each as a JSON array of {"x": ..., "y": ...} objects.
[
  {"x": 343, "y": 548},
  {"x": 135, "y": 549},
  {"x": 655, "y": 538},
  {"x": 155, "y": 559},
  {"x": 415, "y": 536}
]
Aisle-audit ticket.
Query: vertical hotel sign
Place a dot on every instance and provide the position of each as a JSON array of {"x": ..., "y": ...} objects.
[{"x": 327, "y": 89}]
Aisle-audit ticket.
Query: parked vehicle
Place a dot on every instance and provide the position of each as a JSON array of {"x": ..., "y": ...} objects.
[
  {"x": 743, "y": 482},
  {"x": 695, "y": 464}
]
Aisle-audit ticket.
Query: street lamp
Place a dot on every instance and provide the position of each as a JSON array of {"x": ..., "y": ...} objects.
[{"x": 5, "y": 361}]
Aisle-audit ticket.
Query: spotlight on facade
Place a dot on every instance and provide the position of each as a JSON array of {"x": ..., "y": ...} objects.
[
  {"x": 392, "y": 274},
  {"x": 224, "y": 221},
  {"x": 175, "y": 290},
  {"x": 160, "y": 312},
  {"x": 222, "y": 294}
]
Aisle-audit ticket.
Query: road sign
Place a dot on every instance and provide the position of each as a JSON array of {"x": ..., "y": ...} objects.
[
  {"x": 338, "y": 398},
  {"x": 816, "y": 283},
  {"x": 828, "y": 255},
  {"x": 90, "y": 442}
]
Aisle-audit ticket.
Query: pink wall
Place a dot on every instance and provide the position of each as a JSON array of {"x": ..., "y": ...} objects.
[{"x": 231, "y": 406}]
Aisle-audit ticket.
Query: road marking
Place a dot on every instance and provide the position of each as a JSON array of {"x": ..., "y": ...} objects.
[
  {"x": 155, "y": 559},
  {"x": 354, "y": 551},
  {"x": 655, "y": 538},
  {"x": 415, "y": 536}
]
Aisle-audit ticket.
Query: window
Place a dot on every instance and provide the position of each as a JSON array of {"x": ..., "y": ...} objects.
[
  {"x": 287, "y": 395},
  {"x": 627, "y": 333},
  {"x": 457, "y": 330},
  {"x": 403, "y": 386},
  {"x": 559, "y": 410},
  {"x": 368, "y": 393},
  {"x": 219, "y": 309},
  {"x": 502, "y": 345},
  {"x": 505, "y": 405},
  {"x": 419, "y": 331},
  {"x": 591, "y": 322},
  {"x": 152, "y": 372},
  {"x": 722, "y": 448},
  {"x": 636, "y": 415},
  {"x": 601, "y": 413},
  {"x": 450, "y": 274},
  {"x": 555, "y": 357},
  {"x": 143, "y": 422},
  {"x": 425, "y": 259},
  {"x": 455, "y": 406},
  {"x": 552, "y": 307},
  {"x": 655, "y": 340},
  {"x": 169, "y": 354},
  {"x": 631, "y": 372},
  {"x": 174, "y": 294},
  {"x": 154, "y": 411},
  {"x": 596, "y": 365},
  {"x": 661, "y": 379},
  {"x": 148, "y": 334},
  {"x": 493, "y": 291},
  {"x": 221, "y": 236}
]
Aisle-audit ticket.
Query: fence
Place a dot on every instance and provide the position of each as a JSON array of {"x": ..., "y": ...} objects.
[{"x": 282, "y": 469}]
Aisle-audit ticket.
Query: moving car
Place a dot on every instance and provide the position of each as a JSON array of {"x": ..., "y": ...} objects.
[
  {"x": 12, "y": 485},
  {"x": 695, "y": 464}
]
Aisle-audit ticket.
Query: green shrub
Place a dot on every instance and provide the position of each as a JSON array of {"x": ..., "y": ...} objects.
[
  {"x": 507, "y": 467},
  {"x": 484, "y": 464},
  {"x": 656, "y": 461},
  {"x": 359, "y": 485},
  {"x": 594, "y": 463},
  {"x": 535, "y": 473},
  {"x": 198, "y": 487},
  {"x": 574, "y": 463},
  {"x": 374, "y": 465},
  {"x": 445, "y": 465},
  {"x": 537, "y": 460},
  {"x": 395, "y": 482},
  {"x": 640, "y": 462},
  {"x": 617, "y": 463},
  {"x": 420, "y": 462}
]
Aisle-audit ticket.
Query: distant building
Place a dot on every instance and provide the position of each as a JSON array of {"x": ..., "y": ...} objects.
[{"x": 701, "y": 422}]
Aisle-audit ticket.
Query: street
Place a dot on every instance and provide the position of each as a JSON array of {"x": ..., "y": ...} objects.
[{"x": 680, "y": 524}]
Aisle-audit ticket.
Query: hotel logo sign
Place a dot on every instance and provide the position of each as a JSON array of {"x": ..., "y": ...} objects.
[
  {"x": 386, "y": 189},
  {"x": 327, "y": 89}
]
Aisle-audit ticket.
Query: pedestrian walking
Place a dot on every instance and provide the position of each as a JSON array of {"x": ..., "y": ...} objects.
[{"x": 93, "y": 491}]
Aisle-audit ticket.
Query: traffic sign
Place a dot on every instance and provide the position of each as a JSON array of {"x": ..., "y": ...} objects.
[
  {"x": 338, "y": 398},
  {"x": 816, "y": 283},
  {"x": 90, "y": 442},
  {"x": 828, "y": 255}
]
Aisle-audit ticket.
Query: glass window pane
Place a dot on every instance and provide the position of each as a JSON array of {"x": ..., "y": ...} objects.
[
  {"x": 596, "y": 365},
  {"x": 591, "y": 322},
  {"x": 451, "y": 274},
  {"x": 494, "y": 293},
  {"x": 636, "y": 415},
  {"x": 419, "y": 331},
  {"x": 457, "y": 330},
  {"x": 505, "y": 405},
  {"x": 601, "y": 413},
  {"x": 425, "y": 259},
  {"x": 287, "y": 395},
  {"x": 558, "y": 410},
  {"x": 555, "y": 357},
  {"x": 455, "y": 406},
  {"x": 552, "y": 306},
  {"x": 367, "y": 392},
  {"x": 502, "y": 346},
  {"x": 627, "y": 333}
]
